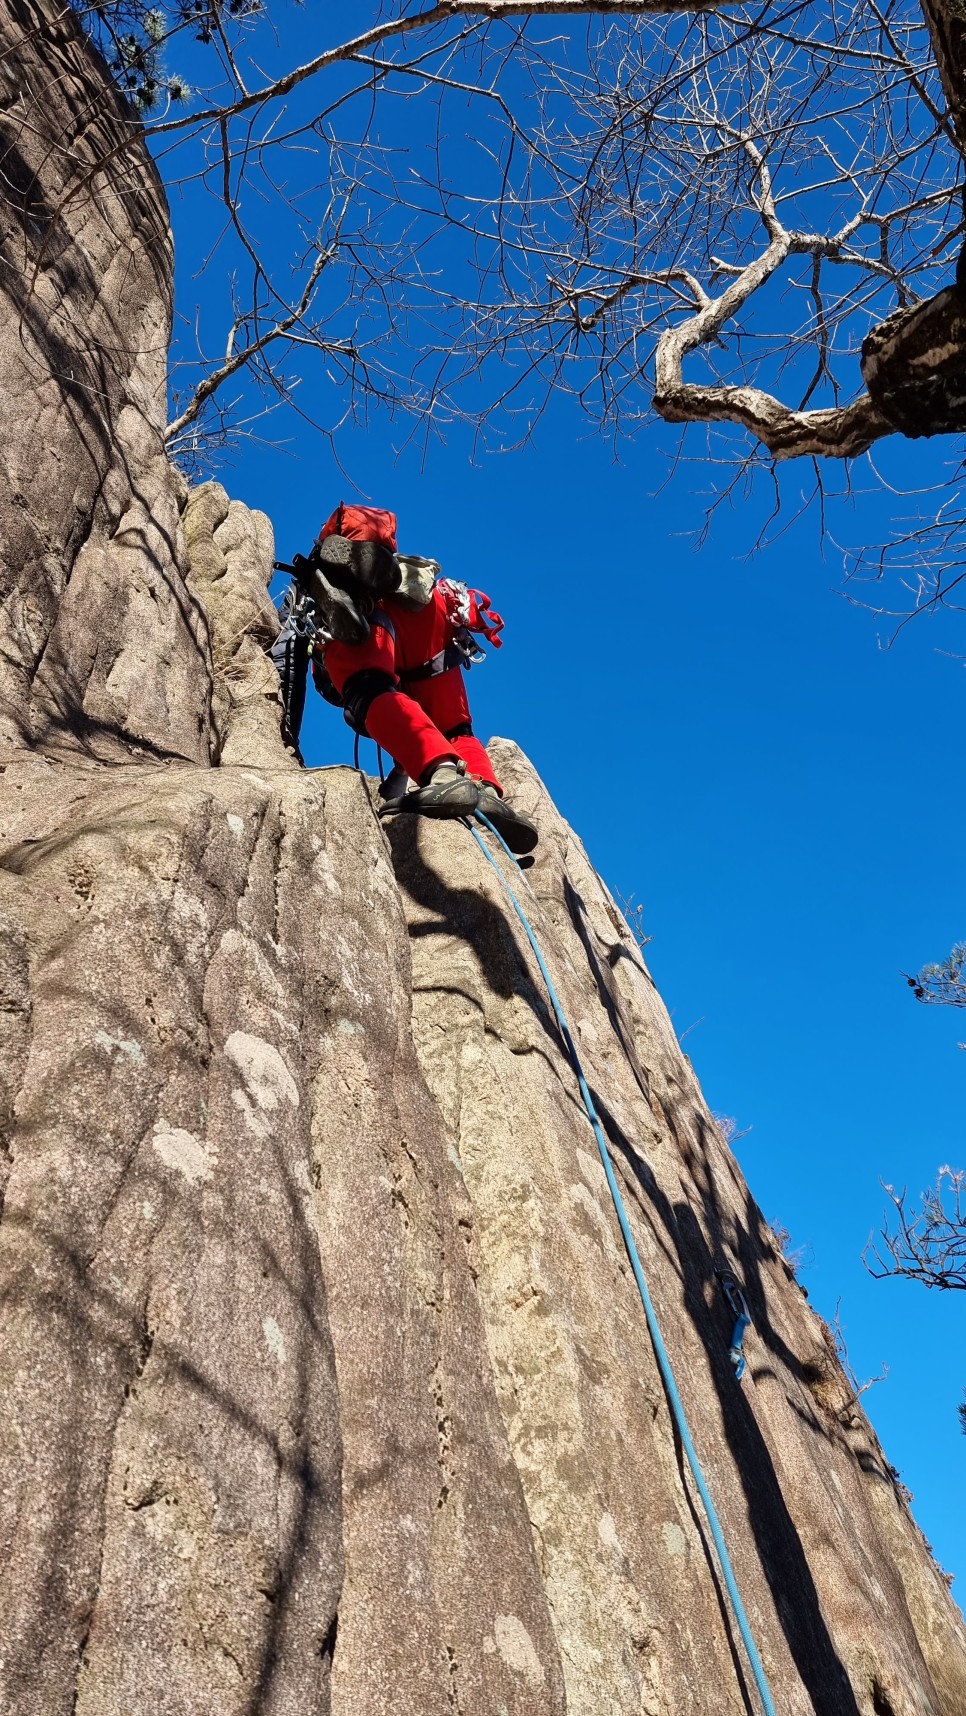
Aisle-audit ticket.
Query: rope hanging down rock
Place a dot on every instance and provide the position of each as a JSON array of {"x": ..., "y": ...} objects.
[{"x": 660, "y": 1350}]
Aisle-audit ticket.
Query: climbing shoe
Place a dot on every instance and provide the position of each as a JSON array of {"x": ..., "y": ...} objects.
[
  {"x": 449, "y": 792},
  {"x": 368, "y": 564},
  {"x": 518, "y": 831},
  {"x": 394, "y": 788},
  {"x": 417, "y": 580},
  {"x": 339, "y": 614}
]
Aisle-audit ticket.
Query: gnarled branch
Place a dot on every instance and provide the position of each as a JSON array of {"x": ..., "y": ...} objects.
[{"x": 833, "y": 432}]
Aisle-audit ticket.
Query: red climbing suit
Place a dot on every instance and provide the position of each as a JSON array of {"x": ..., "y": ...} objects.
[{"x": 421, "y": 724}]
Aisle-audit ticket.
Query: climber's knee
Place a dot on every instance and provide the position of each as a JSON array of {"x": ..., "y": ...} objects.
[{"x": 359, "y": 692}]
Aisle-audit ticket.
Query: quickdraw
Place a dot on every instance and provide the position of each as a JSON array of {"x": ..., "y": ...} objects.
[{"x": 738, "y": 1305}]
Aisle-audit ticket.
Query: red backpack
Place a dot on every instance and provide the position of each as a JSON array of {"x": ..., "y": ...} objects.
[{"x": 362, "y": 524}]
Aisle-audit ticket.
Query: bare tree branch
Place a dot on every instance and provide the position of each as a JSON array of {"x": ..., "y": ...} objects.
[
  {"x": 490, "y": 11},
  {"x": 742, "y": 198},
  {"x": 836, "y": 433},
  {"x": 247, "y": 354},
  {"x": 928, "y": 1242}
]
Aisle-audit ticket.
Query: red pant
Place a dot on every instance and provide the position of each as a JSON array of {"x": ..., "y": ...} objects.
[{"x": 412, "y": 725}]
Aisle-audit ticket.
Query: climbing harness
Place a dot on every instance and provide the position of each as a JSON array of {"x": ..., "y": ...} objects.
[
  {"x": 660, "y": 1350},
  {"x": 461, "y": 651},
  {"x": 738, "y": 1305}
]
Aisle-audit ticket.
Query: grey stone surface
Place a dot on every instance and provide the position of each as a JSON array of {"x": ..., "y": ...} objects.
[
  {"x": 103, "y": 652},
  {"x": 852, "y": 1616},
  {"x": 324, "y": 1386},
  {"x": 170, "y": 1514},
  {"x": 238, "y": 1296},
  {"x": 230, "y": 552}
]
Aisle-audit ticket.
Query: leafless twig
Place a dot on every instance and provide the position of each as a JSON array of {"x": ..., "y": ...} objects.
[{"x": 927, "y": 1242}]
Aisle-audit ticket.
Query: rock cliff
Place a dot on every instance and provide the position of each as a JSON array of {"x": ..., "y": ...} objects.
[{"x": 325, "y": 1382}]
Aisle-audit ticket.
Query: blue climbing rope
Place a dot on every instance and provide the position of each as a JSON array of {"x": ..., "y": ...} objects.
[{"x": 660, "y": 1350}]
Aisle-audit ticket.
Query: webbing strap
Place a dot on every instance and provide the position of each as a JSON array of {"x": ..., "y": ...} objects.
[
  {"x": 451, "y": 656},
  {"x": 657, "y": 1339}
]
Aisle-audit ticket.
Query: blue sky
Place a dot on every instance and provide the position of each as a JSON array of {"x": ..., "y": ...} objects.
[{"x": 781, "y": 794}]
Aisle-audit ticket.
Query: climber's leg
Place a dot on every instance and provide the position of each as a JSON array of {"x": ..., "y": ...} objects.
[
  {"x": 398, "y": 724},
  {"x": 468, "y": 746},
  {"x": 444, "y": 700},
  {"x": 366, "y": 681},
  {"x": 364, "y": 675},
  {"x": 401, "y": 727},
  {"x": 446, "y": 697},
  {"x": 395, "y": 785}
]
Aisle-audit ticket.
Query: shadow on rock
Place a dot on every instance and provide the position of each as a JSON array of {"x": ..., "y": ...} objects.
[{"x": 779, "y": 1547}]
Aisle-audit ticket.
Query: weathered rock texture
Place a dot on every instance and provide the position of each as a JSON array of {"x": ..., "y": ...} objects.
[
  {"x": 230, "y": 554},
  {"x": 101, "y": 648},
  {"x": 324, "y": 1385}
]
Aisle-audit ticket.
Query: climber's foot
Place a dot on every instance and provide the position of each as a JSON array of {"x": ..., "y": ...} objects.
[
  {"x": 365, "y": 563},
  {"x": 340, "y": 616},
  {"x": 517, "y": 830},
  {"x": 393, "y": 790},
  {"x": 395, "y": 785},
  {"x": 449, "y": 792}
]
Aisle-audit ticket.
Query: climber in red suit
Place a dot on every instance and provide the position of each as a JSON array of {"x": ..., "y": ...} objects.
[
  {"x": 420, "y": 722},
  {"x": 404, "y": 686}
]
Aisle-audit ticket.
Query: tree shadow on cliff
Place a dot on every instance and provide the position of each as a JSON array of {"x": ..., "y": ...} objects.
[
  {"x": 97, "y": 1231},
  {"x": 107, "y": 1341},
  {"x": 778, "y": 1545},
  {"x": 91, "y": 146},
  {"x": 602, "y": 972},
  {"x": 148, "y": 569},
  {"x": 747, "y": 1248}
]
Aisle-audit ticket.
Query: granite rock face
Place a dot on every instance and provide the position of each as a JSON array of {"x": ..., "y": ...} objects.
[
  {"x": 170, "y": 1433},
  {"x": 238, "y": 1291},
  {"x": 230, "y": 550},
  {"x": 102, "y": 650},
  {"x": 851, "y": 1616},
  {"x": 324, "y": 1383}
]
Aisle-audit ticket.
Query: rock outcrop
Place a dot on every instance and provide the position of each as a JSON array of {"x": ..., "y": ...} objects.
[
  {"x": 101, "y": 648},
  {"x": 324, "y": 1383}
]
